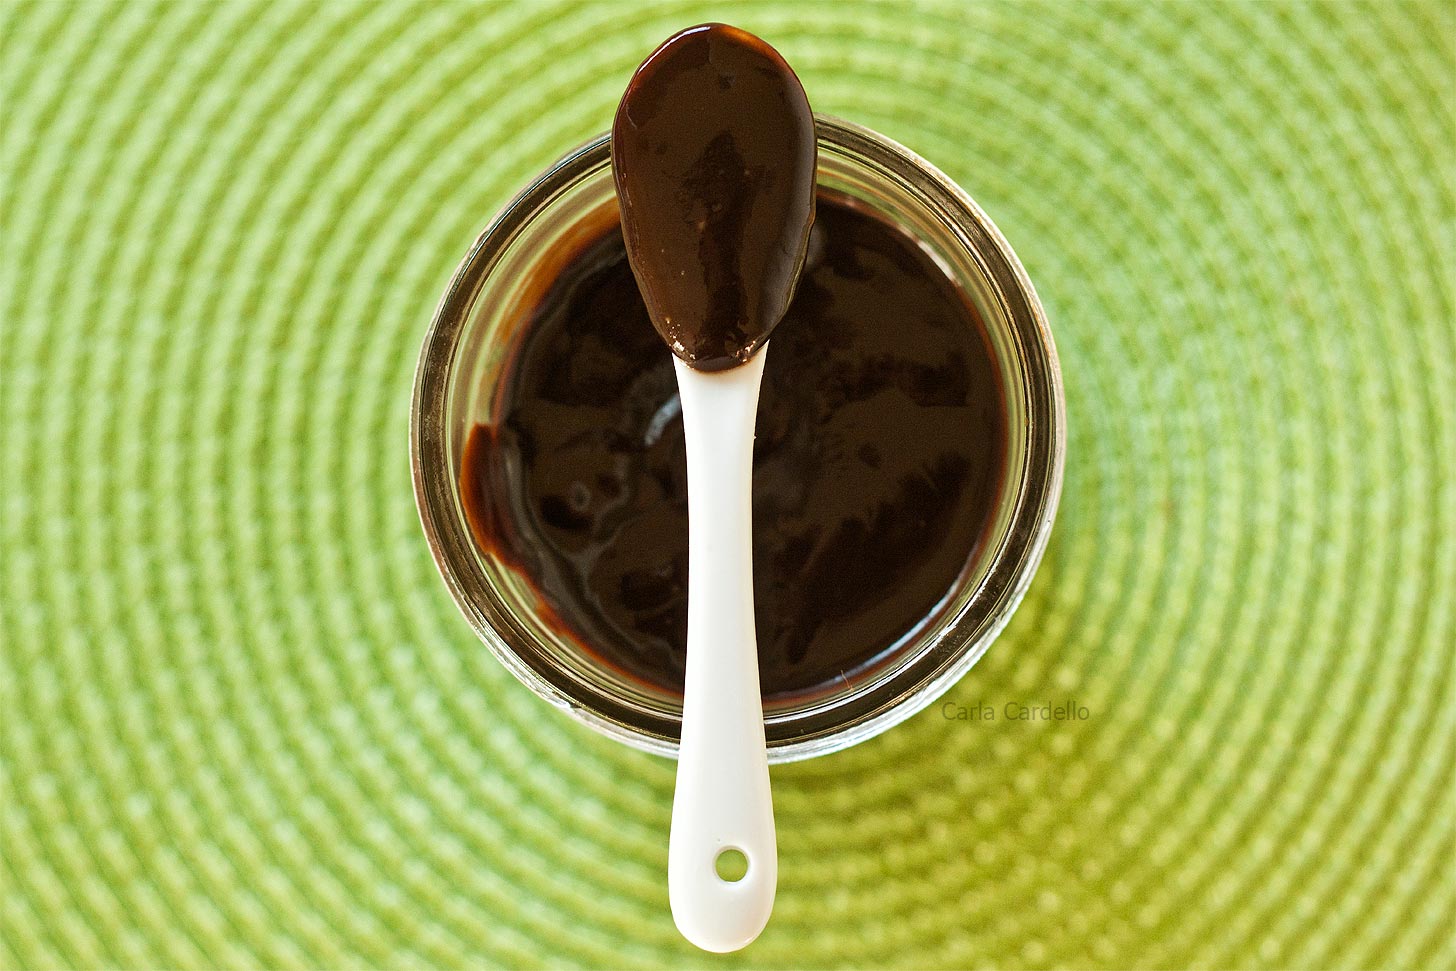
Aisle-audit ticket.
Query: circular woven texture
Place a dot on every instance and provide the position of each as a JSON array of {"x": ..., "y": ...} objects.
[{"x": 243, "y": 725}]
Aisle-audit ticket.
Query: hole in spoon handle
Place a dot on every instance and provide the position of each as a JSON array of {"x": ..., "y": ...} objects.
[{"x": 731, "y": 865}]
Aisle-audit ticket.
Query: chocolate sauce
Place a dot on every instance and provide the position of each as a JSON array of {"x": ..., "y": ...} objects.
[
  {"x": 877, "y": 464},
  {"x": 714, "y": 152}
]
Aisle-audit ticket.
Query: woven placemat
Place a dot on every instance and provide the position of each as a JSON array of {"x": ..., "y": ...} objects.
[{"x": 241, "y": 723}]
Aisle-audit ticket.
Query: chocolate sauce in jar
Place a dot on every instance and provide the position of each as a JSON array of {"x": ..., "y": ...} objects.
[{"x": 877, "y": 465}]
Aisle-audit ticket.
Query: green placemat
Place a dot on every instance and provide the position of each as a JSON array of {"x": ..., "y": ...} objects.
[{"x": 241, "y": 723}]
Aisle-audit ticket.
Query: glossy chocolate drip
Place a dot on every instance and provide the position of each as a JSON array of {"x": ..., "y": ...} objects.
[
  {"x": 879, "y": 456},
  {"x": 713, "y": 153}
]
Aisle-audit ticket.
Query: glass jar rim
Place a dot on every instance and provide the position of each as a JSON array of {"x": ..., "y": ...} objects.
[{"x": 1037, "y": 494}]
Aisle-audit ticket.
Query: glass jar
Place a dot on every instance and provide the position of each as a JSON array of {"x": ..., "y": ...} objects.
[{"x": 468, "y": 346}]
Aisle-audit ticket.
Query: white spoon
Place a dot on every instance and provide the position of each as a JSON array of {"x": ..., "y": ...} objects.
[{"x": 714, "y": 156}]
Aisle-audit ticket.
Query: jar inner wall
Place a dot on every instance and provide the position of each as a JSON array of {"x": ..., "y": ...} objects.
[{"x": 494, "y": 297}]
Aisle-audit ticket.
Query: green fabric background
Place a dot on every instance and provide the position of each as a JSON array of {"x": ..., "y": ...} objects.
[{"x": 243, "y": 724}]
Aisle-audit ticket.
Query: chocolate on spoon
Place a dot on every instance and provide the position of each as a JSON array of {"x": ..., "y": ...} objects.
[{"x": 714, "y": 152}]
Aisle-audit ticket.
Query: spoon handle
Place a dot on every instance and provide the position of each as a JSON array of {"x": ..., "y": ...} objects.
[{"x": 722, "y": 800}]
